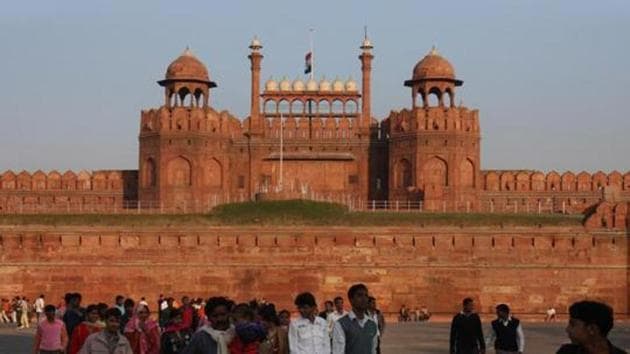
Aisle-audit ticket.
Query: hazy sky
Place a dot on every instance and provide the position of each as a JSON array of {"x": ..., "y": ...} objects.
[{"x": 550, "y": 78}]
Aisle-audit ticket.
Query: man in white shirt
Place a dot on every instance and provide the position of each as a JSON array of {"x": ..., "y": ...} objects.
[
  {"x": 356, "y": 332},
  {"x": 338, "y": 313},
  {"x": 309, "y": 333},
  {"x": 39, "y": 307}
]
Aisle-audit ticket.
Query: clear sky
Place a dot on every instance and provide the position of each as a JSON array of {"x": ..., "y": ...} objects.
[{"x": 550, "y": 78}]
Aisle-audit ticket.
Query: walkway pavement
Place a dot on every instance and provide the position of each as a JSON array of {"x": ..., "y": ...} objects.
[{"x": 400, "y": 338}]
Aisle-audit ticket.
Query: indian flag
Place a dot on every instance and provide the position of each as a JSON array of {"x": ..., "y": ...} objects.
[{"x": 308, "y": 63}]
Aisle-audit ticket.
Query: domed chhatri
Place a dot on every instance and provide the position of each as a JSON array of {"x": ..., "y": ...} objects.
[
  {"x": 433, "y": 66},
  {"x": 187, "y": 67}
]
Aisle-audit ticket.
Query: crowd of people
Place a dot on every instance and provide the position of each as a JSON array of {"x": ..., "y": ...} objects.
[
  {"x": 219, "y": 325},
  {"x": 21, "y": 311}
]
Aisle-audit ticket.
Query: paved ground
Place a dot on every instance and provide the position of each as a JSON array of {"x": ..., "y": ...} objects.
[{"x": 403, "y": 338}]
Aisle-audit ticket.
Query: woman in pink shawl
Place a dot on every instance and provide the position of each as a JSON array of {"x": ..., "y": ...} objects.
[{"x": 143, "y": 333}]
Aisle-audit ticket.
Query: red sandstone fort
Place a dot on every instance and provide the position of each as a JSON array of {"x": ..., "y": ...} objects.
[
  {"x": 318, "y": 140},
  {"x": 427, "y": 155}
]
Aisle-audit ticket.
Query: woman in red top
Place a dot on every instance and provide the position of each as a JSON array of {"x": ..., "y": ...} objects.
[
  {"x": 83, "y": 330},
  {"x": 143, "y": 333}
]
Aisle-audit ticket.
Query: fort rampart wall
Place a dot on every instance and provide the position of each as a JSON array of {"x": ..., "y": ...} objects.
[{"x": 528, "y": 268}]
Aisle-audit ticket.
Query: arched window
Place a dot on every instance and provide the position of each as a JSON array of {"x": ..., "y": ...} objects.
[
  {"x": 351, "y": 107},
  {"x": 337, "y": 107},
  {"x": 185, "y": 97},
  {"x": 324, "y": 107},
  {"x": 433, "y": 98},
  {"x": 270, "y": 107},
  {"x": 283, "y": 107},
  {"x": 297, "y": 107}
]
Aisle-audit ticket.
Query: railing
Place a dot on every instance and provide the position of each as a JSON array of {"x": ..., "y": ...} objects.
[{"x": 350, "y": 201}]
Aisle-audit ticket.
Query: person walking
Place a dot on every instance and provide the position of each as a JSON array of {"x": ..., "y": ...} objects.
[
  {"x": 39, "y": 307},
  {"x": 51, "y": 336},
  {"x": 143, "y": 333},
  {"x": 308, "y": 334},
  {"x": 175, "y": 336},
  {"x": 109, "y": 340},
  {"x": 337, "y": 313},
  {"x": 24, "y": 310},
  {"x": 91, "y": 325},
  {"x": 356, "y": 332},
  {"x": 215, "y": 336},
  {"x": 378, "y": 317},
  {"x": 5, "y": 311},
  {"x": 73, "y": 316},
  {"x": 466, "y": 333},
  {"x": 507, "y": 332},
  {"x": 277, "y": 341},
  {"x": 588, "y": 328}
]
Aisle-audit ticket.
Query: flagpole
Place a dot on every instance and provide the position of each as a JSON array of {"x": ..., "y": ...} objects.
[{"x": 312, "y": 54}]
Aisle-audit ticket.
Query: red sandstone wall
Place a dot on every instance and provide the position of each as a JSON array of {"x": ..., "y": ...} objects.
[
  {"x": 529, "y": 268},
  {"x": 529, "y": 191},
  {"x": 76, "y": 192}
]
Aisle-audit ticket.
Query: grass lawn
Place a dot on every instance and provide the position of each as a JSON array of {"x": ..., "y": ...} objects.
[{"x": 296, "y": 212}]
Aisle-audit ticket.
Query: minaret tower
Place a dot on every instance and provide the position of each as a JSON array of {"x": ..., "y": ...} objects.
[
  {"x": 366, "y": 71},
  {"x": 255, "y": 120}
]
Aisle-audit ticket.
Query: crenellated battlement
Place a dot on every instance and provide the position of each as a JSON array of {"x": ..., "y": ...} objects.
[
  {"x": 536, "y": 181},
  {"x": 434, "y": 119},
  {"x": 184, "y": 120},
  {"x": 42, "y": 192}
]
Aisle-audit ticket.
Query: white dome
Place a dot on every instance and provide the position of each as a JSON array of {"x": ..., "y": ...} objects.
[
  {"x": 311, "y": 85},
  {"x": 351, "y": 85},
  {"x": 337, "y": 85},
  {"x": 324, "y": 85},
  {"x": 285, "y": 85},
  {"x": 298, "y": 85},
  {"x": 271, "y": 85}
]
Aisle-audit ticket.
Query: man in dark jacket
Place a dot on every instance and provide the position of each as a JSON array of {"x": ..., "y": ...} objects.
[
  {"x": 466, "y": 332},
  {"x": 214, "y": 337},
  {"x": 507, "y": 332},
  {"x": 588, "y": 328}
]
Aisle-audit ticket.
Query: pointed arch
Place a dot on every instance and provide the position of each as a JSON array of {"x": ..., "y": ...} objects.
[
  {"x": 435, "y": 172},
  {"x": 213, "y": 176},
  {"x": 467, "y": 173},
  {"x": 179, "y": 172}
]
